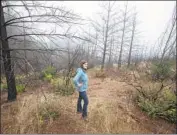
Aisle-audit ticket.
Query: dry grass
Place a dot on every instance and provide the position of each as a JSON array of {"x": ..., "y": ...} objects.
[
  {"x": 37, "y": 113},
  {"x": 108, "y": 118},
  {"x": 33, "y": 111},
  {"x": 100, "y": 74},
  {"x": 109, "y": 112},
  {"x": 104, "y": 117}
]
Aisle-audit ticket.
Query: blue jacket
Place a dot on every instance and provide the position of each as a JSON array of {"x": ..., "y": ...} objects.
[{"x": 81, "y": 77}]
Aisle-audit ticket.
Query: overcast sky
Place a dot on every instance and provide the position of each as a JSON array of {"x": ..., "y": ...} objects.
[{"x": 153, "y": 15}]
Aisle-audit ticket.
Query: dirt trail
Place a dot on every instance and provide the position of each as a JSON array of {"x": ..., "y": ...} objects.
[
  {"x": 121, "y": 96},
  {"x": 107, "y": 99},
  {"x": 118, "y": 96}
]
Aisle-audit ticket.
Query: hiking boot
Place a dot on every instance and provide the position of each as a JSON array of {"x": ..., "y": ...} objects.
[{"x": 85, "y": 118}]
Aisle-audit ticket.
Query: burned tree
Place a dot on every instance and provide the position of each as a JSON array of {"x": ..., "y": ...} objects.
[{"x": 33, "y": 15}]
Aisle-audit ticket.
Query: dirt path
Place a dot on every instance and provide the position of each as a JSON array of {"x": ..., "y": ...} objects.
[
  {"x": 111, "y": 100},
  {"x": 120, "y": 96},
  {"x": 111, "y": 110}
]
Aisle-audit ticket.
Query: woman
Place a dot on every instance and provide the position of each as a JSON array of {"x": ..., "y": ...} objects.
[{"x": 81, "y": 84}]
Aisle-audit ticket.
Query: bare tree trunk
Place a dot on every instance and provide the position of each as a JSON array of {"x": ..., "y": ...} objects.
[
  {"x": 172, "y": 49},
  {"x": 122, "y": 40},
  {"x": 169, "y": 37},
  {"x": 131, "y": 44},
  {"x": 88, "y": 53},
  {"x": 110, "y": 52},
  {"x": 166, "y": 44},
  {"x": 95, "y": 46},
  {"x": 9, "y": 70},
  {"x": 106, "y": 37},
  {"x": 88, "y": 49},
  {"x": 26, "y": 68}
]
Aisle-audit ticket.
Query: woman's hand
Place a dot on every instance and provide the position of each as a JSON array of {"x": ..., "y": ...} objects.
[{"x": 80, "y": 84}]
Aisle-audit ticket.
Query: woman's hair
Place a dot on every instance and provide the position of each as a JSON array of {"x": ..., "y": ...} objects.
[{"x": 82, "y": 62}]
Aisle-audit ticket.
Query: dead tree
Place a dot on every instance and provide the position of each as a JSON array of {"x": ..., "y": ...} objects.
[
  {"x": 123, "y": 34},
  {"x": 106, "y": 29},
  {"x": 111, "y": 52},
  {"x": 170, "y": 32},
  {"x": 132, "y": 39},
  {"x": 9, "y": 70},
  {"x": 53, "y": 15}
]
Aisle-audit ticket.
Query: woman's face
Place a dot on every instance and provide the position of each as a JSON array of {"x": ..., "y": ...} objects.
[{"x": 85, "y": 65}]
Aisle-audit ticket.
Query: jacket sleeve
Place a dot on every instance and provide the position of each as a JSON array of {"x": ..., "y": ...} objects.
[{"x": 76, "y": 78}]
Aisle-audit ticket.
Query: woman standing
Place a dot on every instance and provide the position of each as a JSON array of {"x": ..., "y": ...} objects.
[{"x": 81, "y": 84}]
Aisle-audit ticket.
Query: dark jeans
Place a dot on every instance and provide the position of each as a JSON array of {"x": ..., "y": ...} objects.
[{"x": 83, "y": 110}]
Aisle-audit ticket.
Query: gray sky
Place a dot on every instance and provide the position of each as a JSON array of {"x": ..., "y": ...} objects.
[{"x": 153, "y": 15}]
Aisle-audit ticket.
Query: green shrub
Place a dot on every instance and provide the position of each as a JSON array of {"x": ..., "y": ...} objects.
[
  {"x": 48, "y": 113},
  {"x": 171, "y": 115},
  {"x": 148, "y": 106},
  {"x": 161, "y": 71},
  {"x": 48, "y": 77},
  {"x": 48, "y": 73},
  {"x": 60, "y": 86},
  {"x": 169, "y": 95},
  {"x": 164, "y": 106},
  {"x": 65, "y": 90},
  {"x": 56, "y": 81},
  {"x": 20, "y": 88},
  {"x": 3, "y": 86},
  {"x": 50, "y": 70}
]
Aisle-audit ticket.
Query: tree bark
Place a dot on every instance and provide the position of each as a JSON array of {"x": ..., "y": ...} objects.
[
  {"x": 9, "y": 70},
  {"x": 122, "y": 40},
  {"x": 110, "y": 53},
  {"x": 131, "y": 44},
  {"x": 106, "y": 38}
]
